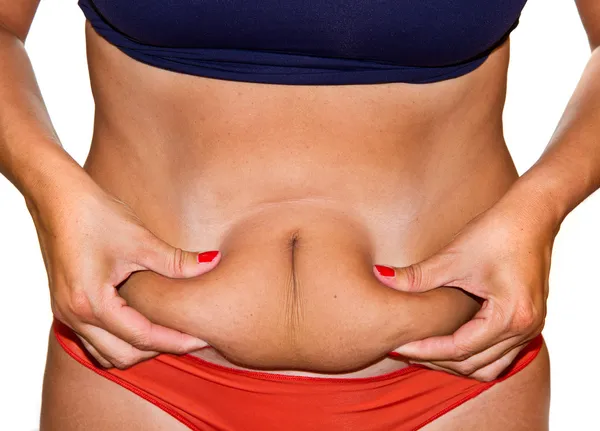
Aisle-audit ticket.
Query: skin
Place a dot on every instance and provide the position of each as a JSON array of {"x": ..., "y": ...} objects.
[{"x": 424, "y": 141}]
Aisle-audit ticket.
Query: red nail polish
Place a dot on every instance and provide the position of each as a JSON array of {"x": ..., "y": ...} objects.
[
  {"x": 398, "y": 356},
  {"x": 207, "y": 256},
  {"x": 385, "y": 271}
]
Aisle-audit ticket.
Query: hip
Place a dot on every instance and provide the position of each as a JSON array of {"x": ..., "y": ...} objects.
[{"x": 195, "y": 394}]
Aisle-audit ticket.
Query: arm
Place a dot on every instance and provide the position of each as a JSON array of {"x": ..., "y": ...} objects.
[
  {"x": 31, "y": 155},
  {"x": 569, "y": 169},
  {"x": 72, "y": 215},
  {"x": 503, "y": 255}
]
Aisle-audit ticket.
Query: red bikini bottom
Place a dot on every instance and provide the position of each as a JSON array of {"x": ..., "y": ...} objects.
[{"x": 207, "y": 396}]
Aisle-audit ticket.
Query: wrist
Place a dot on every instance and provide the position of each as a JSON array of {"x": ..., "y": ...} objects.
[
  {"x": 44, "y": 182},
  {"x": 540, "y": 196}
]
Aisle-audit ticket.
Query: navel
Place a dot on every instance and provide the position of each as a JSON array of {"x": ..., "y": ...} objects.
[{"x": 293, "y": 291}]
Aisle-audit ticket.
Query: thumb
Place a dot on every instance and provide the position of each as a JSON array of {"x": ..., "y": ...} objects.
[
  {"x": 418, "y": 277},
  {"x": 173, "y": 262}
]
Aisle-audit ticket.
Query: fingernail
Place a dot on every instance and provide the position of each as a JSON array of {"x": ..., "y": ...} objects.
[
  {"x": 207, "y": 256},
  {"x": 198, "y": 344},
  {"x": 385, "y": 271},
  {"x": 398, "y": 356},
  {"x": 195, "y": 344}
]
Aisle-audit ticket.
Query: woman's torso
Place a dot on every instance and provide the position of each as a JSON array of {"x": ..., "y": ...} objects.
[{"x": 358, "y": 174}]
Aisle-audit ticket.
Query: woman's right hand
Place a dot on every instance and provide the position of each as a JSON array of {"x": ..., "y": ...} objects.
[{"x": 91, "y": 242}]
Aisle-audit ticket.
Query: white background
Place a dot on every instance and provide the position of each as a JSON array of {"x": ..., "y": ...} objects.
[{"x": 548, "y": 53}]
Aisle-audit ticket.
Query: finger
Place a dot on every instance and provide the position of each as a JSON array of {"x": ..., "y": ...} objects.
[
  {"x": 92, "y": 350},
  {"x": 119, "y": 353},
  {"x": 493, "y": 370},
  {"x": 131, "y": 326},
  {"x": 162, "y": 258},
  {"x": 486, "y": 374},
  {"x": 437, "y": 270},
  {"x": 483, "y": 331},
  {"x": 481, "y": 360}
]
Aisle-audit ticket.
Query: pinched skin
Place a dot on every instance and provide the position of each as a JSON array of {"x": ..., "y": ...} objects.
[{"x": 302, "y": 296}]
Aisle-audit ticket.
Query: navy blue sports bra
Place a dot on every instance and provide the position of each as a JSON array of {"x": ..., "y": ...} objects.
[{"x": 319, "y": 42}]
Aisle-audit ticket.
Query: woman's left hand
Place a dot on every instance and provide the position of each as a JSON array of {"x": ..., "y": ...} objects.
[{"x": 502, "y": 256}]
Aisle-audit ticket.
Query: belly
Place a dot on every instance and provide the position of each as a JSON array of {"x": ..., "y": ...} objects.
[
  {"x": 303, "y": 189},
  {"x": 295, "y": 291}
]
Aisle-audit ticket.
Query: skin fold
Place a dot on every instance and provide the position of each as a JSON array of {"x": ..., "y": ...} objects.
[{"x": 290, "y": 309}]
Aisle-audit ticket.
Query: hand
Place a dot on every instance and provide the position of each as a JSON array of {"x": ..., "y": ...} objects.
[
  {"x": 91, "y": 242},
  {"x": 503, "y": 257}
]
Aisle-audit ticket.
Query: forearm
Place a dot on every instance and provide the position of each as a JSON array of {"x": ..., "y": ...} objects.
[
  {"x": 569, "y": 169},
  {"x": 31, "y": 155}
]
